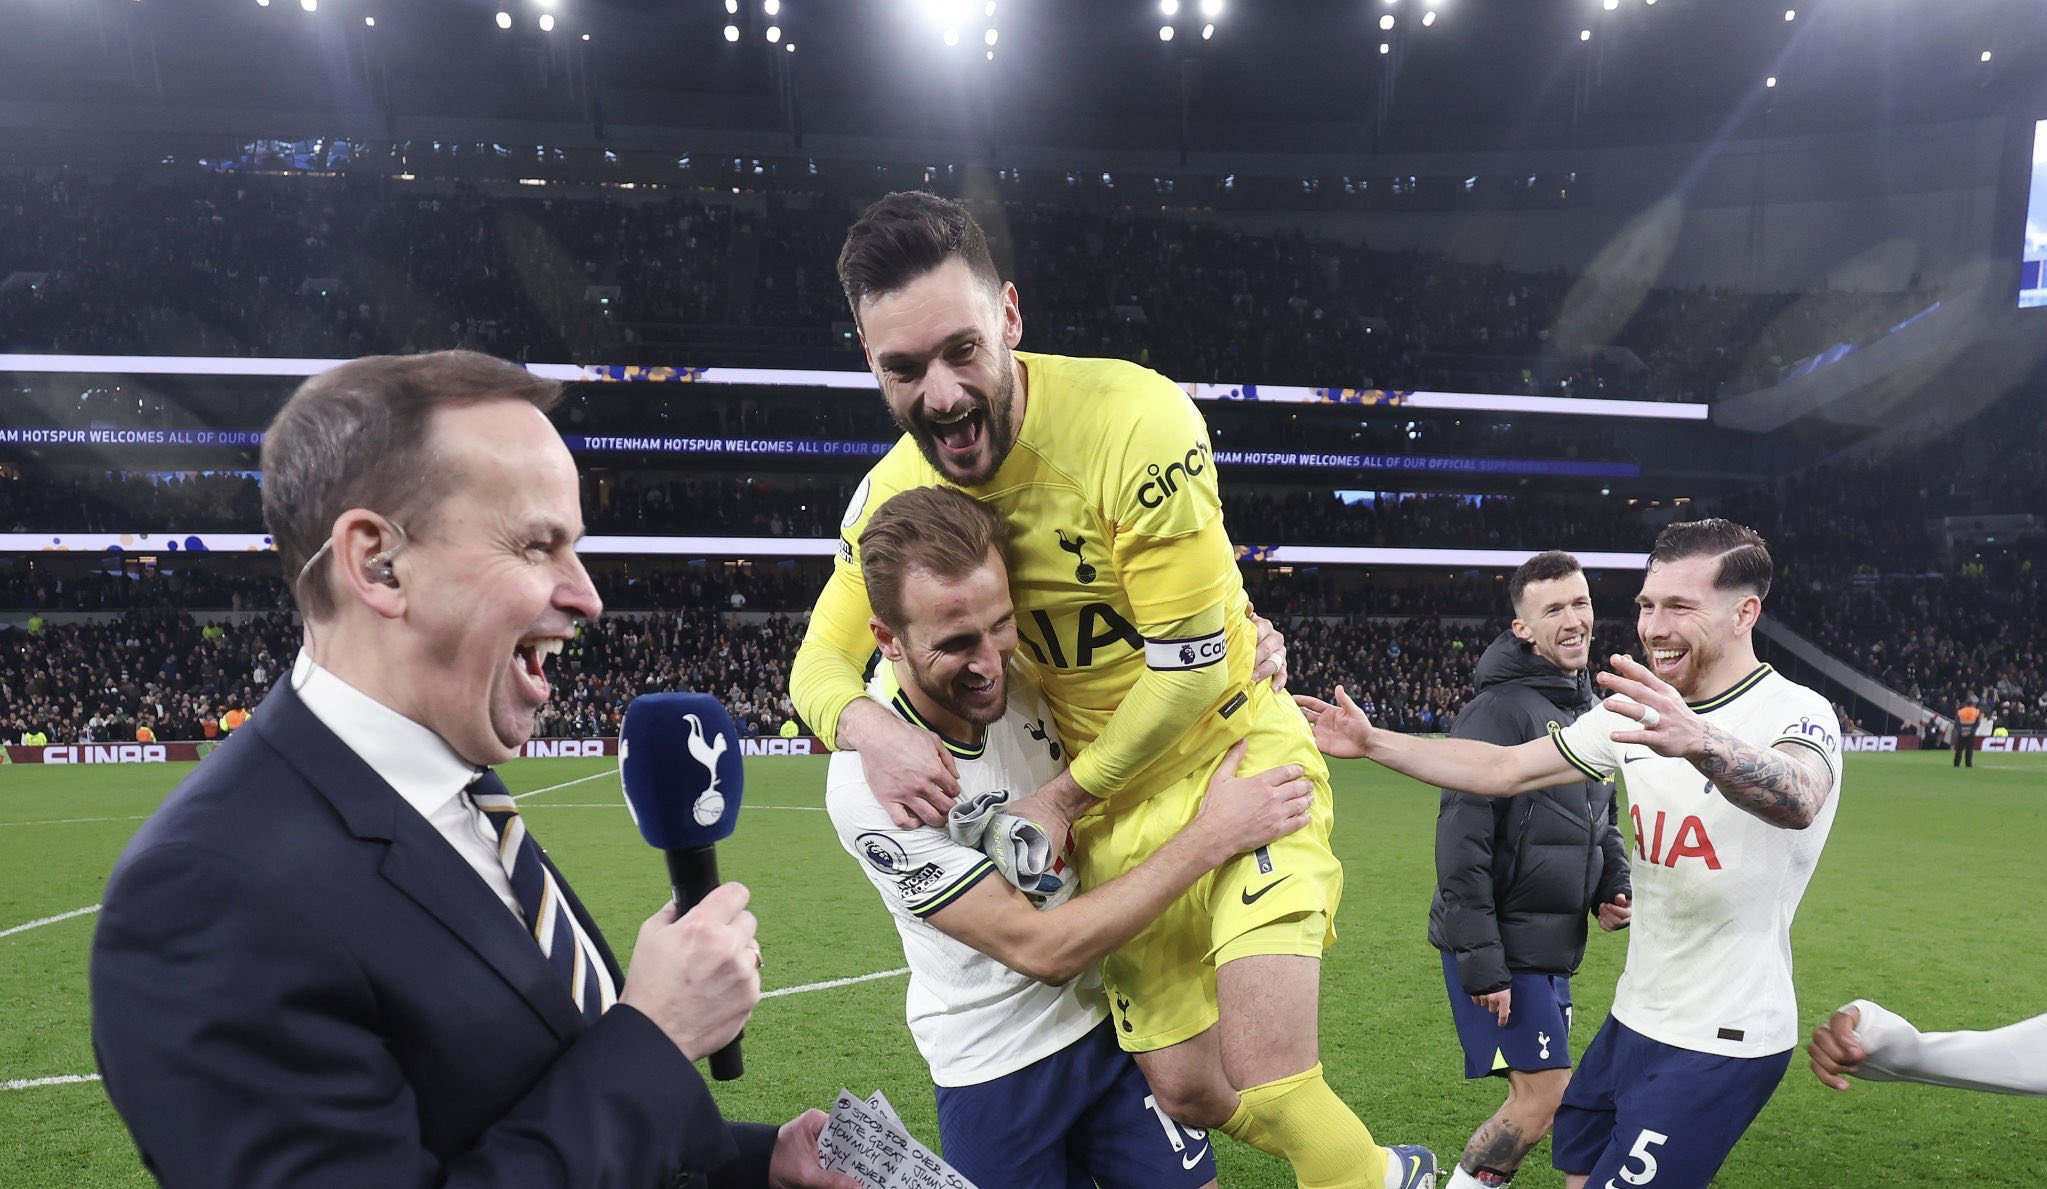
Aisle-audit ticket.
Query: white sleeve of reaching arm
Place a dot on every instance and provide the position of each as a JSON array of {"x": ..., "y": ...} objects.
[{"x": 2009, "y": 1060}]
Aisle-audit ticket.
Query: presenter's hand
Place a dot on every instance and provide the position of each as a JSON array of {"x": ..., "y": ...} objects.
[
  {"x": 795, "y": 1165},
  {"x": 1500, "y": 1003},
  {"x": 1341, "y": 730},
  {"x": 697, "y": 976},
  {"x": 1242, "y": 813},
  {"x": 1835, "y": 1052},
  {"x": 1616, "y": 913},
  {"x": 907, "y": 767},
  {"x": 1270, "y": 664}
]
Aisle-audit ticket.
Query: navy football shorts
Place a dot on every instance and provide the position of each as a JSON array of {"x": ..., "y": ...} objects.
[
  {"x": 1081, "y": 1117},
  {"x": 1538, "y": 1031},
  {"x": 1640, "y": 1113}
]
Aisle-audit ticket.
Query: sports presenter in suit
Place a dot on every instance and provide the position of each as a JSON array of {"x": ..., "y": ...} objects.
[{"x": 334, "y": 957}]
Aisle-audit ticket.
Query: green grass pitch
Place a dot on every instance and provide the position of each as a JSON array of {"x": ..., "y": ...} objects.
[{"x": 1927, "y": 900}]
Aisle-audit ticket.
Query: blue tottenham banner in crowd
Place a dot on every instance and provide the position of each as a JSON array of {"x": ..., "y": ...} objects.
[
  {"x": 747, "y": 547},
  {"x": 839, "y": 448},
  {"x": 775, "y": 377},
  {"x": 52, "y": 436}
]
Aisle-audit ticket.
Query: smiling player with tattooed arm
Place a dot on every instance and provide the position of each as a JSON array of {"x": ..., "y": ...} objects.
[
  {"x": 1129, "y": 601},
  {"x": 1733, "y": 774}
]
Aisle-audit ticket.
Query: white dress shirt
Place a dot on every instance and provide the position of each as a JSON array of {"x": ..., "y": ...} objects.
[{"x": 414, "y": 761}]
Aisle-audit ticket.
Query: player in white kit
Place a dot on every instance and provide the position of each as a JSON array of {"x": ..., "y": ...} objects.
[
  {"x": 1004, "y": 1002},
  {"x": 1732, "y": 774}
]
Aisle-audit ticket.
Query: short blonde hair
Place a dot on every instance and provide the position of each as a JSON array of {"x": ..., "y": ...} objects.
[{"x": 943, "y": 532}]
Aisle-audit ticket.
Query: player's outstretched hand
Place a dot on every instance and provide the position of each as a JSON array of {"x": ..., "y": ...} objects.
[
  {"x": 796, "y": 1163},
  {"x": 1271, "y": 652},
  {"x": 1667, "y": 726},
  {"x": 909, "y": 771},
  {"x": 1243, "y": 813},
  {"x": 1835, "y": 1052},
  {"x": 1616, "y": 913},
  {"x": 1341, "y": 729}
]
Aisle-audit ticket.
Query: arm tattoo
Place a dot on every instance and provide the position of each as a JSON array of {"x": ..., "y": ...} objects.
[{"x": 1783, "y": 789}]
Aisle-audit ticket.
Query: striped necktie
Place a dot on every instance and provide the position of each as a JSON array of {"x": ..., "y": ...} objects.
[{"x": 561, "y": 938}]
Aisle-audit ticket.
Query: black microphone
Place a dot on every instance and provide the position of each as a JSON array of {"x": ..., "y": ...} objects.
[{"x": 678, "y": 756}]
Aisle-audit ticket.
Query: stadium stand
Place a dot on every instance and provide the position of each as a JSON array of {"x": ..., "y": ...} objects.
[{"x": 183, "y": 262}]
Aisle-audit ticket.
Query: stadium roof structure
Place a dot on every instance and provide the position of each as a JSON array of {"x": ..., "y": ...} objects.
[{"x": 1310, "y": 76}]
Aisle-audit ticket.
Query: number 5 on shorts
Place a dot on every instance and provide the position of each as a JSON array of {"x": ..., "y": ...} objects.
[{"x": 1643, "y": 1142}]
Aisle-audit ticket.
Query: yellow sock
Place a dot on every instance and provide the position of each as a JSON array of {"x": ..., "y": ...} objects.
[
  {"x": 1244, "y": 1128},
  {"x": 1302, "y": 1119}
]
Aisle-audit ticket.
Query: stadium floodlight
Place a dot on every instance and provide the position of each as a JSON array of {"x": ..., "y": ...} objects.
[
  {"x": 1170, "y": 8},
  {"x": 990, "y": 37},
  {"x": 732, "y": 33},
  {"x": 1985, "y": 57},
  {"x": 772, "y": 7},
  {"x": 1428, "y": 18},
  {"x": 732, "y": 8},
  {"x": 1770, "y": 81},
  {"x": 774, "y": 34},
  {"x": 1609, "y": 5},
  {"x": 1165, "y": 33},
  {"x": 504, "y": 20},
  {"x": 310, "y": 5},
  {"x": 586, "y": 37},
  {"x": 547, "y": 22},
  {"x": 991, "y": 55},
  {"x": 952, "y": 37},
  {"x": 545, "y": 3},
  {"x": 1790, "y": 14},
  {"x": 262, "y": 3},
  {"x": 1211, "y": 9},
  {"x": 791, "y": 47},
  {"x": 1207, "y": 31},
  {"x": 1385, "y": 47},
  {"x": 1584, "y": 35},
  {"x": 1387, "y": 21},
  {"x": 369, "y": 22}
]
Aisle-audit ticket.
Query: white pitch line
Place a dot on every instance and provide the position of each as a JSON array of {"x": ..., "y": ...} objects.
[
  {"x": 564, "y": 784},
  {"x": 37, "y": 924},
  {"x": 62, "y": 1079},
  {"x": 73, "y": 821},
  {"x": 836, "y": 982},
  {"x": 828, "y": 984},
  {"x": 621, "y": 805}
]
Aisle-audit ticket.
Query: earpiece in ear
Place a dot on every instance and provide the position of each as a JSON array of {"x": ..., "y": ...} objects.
[{"x": 380, "y": 570}]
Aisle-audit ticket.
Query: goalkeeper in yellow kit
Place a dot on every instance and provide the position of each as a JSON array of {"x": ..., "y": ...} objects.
[{"x": 1128, "y": 596}]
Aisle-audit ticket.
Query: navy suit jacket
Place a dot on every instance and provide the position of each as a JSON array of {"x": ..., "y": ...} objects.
[{"x": 296, "y": 981}]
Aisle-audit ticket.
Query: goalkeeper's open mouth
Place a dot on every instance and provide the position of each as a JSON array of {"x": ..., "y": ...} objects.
[{"x": 959, "y": 433}]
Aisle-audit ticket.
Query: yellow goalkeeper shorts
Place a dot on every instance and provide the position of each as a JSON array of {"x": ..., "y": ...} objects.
[{"x": 1278, "y": 899}]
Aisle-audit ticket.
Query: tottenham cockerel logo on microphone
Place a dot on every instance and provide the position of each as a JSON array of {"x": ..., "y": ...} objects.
[{"x": 710, "y": 804}]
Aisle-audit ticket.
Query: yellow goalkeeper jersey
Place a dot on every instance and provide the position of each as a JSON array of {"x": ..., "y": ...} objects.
[{"x": 1115, "y": 533}]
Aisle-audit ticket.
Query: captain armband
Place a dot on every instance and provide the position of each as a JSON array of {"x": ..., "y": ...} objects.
[{"x": 1198, "y": 652}]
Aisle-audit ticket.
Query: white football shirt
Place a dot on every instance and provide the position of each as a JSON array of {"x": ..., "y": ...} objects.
[
  {"x": 1709, "y": 951},
  {"x": 973, "y": 1018}
]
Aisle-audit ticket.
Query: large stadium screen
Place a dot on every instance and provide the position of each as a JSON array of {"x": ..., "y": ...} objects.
[{"x": 2033, "y": 264}]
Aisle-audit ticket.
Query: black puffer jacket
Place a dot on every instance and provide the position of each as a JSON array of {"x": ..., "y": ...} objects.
[{"x": 1516, "y": 876}]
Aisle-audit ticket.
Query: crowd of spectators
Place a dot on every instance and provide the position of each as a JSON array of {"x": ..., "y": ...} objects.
[
  {"x": 179, "y": 674},
  {"x": 201, "y": 586},
  {"x": 652, "y": 503},
  {"x": 1939, "y": 640},
  {"x": 235, "y": 264},
  {"x": 102, "y": 680},
  {"x": 742, "y": 660}
]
